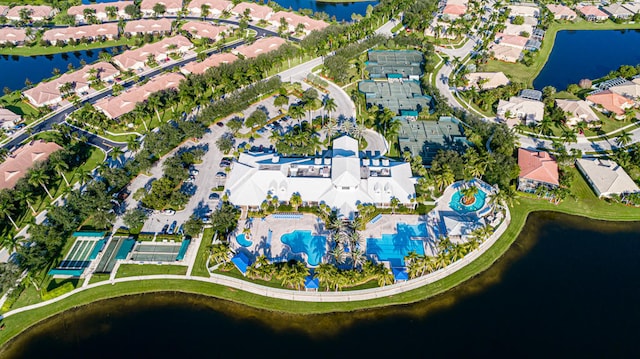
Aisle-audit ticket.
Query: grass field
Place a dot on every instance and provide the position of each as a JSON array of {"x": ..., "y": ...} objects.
[
  {"x": 200, "y": 265},
  {"x": 132, "y": 270},
  {"x": 521, "y": 73}
]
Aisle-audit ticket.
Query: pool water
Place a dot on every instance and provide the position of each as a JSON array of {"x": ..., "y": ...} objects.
[
  {"x": 304, "y": 242},
  {"x": 243, "y": 241},
  {"x": 456, "y": 202},
  {"x": 394, "y": 247}
]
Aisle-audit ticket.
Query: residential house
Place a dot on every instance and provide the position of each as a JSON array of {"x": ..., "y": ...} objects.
[
  {"x": 628, "y": 89},
  {"x": 577, "y": 111},
  {"x": 439, "y": 29},
  {"x": 90, "y": 32},
  {"x": 592, "y": 13},
  {"x": 148, "y": 26},
  {"x": 617, "y": 11},
  {"x": 261, "y": 46},
  {"x": 8, "y": 119},
  {"x": 606, "y": 177},
  {"x": 172, "y": 7},
  {"x": 611, "y": 102},
  {"x": 524, "y": 10},
  {"x": 18, "y": 163},
  {"x": 48, "y": 93},
  {"x": 136, "y": 59},
  {"x": 634, "y": 7},
  {"x": 216, "y": 7},
  {"x": 453, "y": 11},
  {"x": 341, "y": 177},
  {"x": 294, "y": 20},
  {"x": 562, "y": 12},
  {"x": 256, "y": 12},
  {"x": 537, "y": 168},
  {"x": 520, "y": 110},
  {"x": 100, "y": 10},
  {"x": 12, "y": 35},
  {"x": 36, "y": 12},
  {"x": 512, "y": 29},
  {"x": 516, "y": 41},
  {"x": 212, "y": 61},
  {"x": 114, "y": 107},
  {"x": 199, "y": 29},
  {"x": 486, "y": 80},
  {"x": 505, "y": 53}
]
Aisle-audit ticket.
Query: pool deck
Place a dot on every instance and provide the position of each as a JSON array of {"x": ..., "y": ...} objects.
[
  {"x": 260, "y": 231},
  {"x": 387, "y": 224}
]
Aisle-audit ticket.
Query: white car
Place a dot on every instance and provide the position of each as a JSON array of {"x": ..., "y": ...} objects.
[{"x": 168, "y": 212}]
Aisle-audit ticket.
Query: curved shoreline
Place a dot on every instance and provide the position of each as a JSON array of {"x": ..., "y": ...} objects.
[{"x": 18, "y": 322}]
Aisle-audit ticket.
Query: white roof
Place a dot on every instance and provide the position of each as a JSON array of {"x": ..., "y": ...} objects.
[
  {"x": 606, "y": 176},
  {"x": 338, "y": 178}
]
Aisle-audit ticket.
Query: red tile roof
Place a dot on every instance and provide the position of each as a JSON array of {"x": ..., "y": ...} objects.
[
  {"x": 611, "y": 101},
  {"x": 538, "y": 166},
  {"x": 212, "y": 61},
  {"x": 22, "y": 159}
]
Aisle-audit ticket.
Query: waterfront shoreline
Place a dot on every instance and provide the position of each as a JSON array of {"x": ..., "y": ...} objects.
[{"x": 18, "y": 323}]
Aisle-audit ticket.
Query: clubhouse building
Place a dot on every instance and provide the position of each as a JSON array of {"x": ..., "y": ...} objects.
[{"x": 342, "y": 178}]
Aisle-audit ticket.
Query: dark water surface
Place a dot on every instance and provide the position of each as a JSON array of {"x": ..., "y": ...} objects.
[
  {"x": 588, "y": 54},
  {"x": 16, "y": 69},
  {"x": 568, "y": 287}
]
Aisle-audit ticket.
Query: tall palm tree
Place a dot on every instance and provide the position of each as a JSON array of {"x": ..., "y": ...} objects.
[
  {"x": 115, "y": 153},
  {"x": 296, "y": 112},
  {"x": 133, "y": 144},
  {"x": 59, "y": 165},
  {"x": 6, "y": 207},
  {"x": 25, "y": 197},
  {"x": 623, "y": 139},
  {"x": 330, "y": 106},
  {"x": 84, "y": 176},
  {"x": 39, "y": 177}
]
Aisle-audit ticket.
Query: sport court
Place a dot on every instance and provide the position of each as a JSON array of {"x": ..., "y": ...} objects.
[
  {"x": 86, "y": 248},
  {"x": 395, "y": 64},
  {"x": 397, "y": 96},
  {"x": 156, "y": 252},
  {"x": 426, "y": 138},
  {"x": 118, "y": 248}
]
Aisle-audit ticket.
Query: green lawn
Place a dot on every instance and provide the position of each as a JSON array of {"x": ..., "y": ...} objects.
[
  {"x": 13, "y": 102},
  {"x": 48, "y": 50},
  {"x": 131, "y": 270},
  {"x": 520, "y": 73},
  {"x": 587, "y": 205},
  {"x": 98, "y": 277},
  {"x": 200, "y": 265}
]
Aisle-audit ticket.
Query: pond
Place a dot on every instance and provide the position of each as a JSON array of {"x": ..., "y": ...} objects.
[
  {"x": 17, "y": 69},
  {"x": 568, "y": 287},
  {"x": 588, "y": 54}
]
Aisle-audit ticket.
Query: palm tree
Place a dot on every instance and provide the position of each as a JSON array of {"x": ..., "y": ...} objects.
[
  {"x": 115, "y": 153},
  {"x": 84, "y": 176},
  {"x": 623, "y": 139},
  {"x": 133, "y": 144},
  {"x": 444, "y": 178},
  {"x": 10, "y": 243},
  {"x": 326, "y": 274},
  {"x": 39, "y": 177},
  {"x": 295, "y": 200},
  {"x": 220, "y": 253},
  {"x": 468, "y": 194},
  {"x": 330, "y": 105},
  {"x": 25, "y": 197},
  {"x": 6, "y": 207},
  {"x": 296, "y": 112},
  {"x": 59, "y": 165}
]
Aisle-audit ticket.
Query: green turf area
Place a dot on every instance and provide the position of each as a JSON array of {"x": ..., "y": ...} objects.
[
  {"x": 48, "y": 50},
  {"x": 98, "y": 277},
  {"x": 520, "y": 73},
  {"x": 14, "y": 103},
  {"x": 200, "y": 265},
  {"x": 131, "y": 270}
]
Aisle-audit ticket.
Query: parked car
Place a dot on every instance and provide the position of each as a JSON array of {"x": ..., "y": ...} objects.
[
  {"x": 221, "y": 175},
  {"x": 172, "y": 227},
  {"x": 165, "y": 228},
  {"x": 194, "y": 172},
  {"x": 220, "y": 124},
  {"x": 225, "y": 163},
  {"x": 214, "y": 196},
  {"x": 168, "y": 212},
  {"x": 180, "y": 229}
]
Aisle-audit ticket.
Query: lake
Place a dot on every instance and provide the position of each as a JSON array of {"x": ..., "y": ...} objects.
[
  {"x": 588, "y": 54},
  {"x": 568, "y": 287},
  {"x": 16, "y": 69},
  {"x": 342, "y": 11}
]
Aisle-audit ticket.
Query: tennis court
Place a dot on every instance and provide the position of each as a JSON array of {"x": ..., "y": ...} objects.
[
  {"x": 118, "y": 248},
  {"x": 397, "y": 96},
  {"x": 84, "y": 250},
  {"x": 156, "y": 252},
  {"x": 426, "y": 138},
  {"x": 395, "y": 64}
]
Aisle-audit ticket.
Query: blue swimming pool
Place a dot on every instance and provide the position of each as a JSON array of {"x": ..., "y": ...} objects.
[
  {"x": 304, "y": 242},
  {"x": 457, "y": 205},
  {"x": 394, "y": 247},
  {"x": 243, "y": 241}
]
